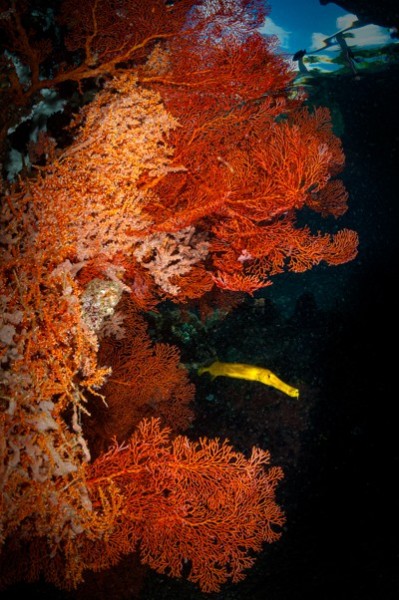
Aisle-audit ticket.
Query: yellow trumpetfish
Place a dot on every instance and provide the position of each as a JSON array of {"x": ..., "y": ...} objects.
[{"x": 250, "y": 372}]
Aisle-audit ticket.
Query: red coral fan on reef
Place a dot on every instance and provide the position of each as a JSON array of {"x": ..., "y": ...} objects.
[
  {"x": 176, "y": 498},
  {"x": 147, "y": 379}
]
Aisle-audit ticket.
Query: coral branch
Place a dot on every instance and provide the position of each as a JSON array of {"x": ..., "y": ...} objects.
[{"x": 201, "y": 503}]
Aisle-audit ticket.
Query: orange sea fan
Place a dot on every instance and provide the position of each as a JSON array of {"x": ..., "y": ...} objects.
[
  {"x": 184, "y": 496},
  {"x": 199, "y": 506},
  {"x": 147, "y": 379}
]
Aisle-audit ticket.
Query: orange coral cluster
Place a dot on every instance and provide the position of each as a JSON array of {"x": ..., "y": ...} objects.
[
  {"x": 253, "y": 158},
  {"x": 200, "y": 502},
  {"x": 147, "y": 379},
  {"x": 184, "y": 178}
]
